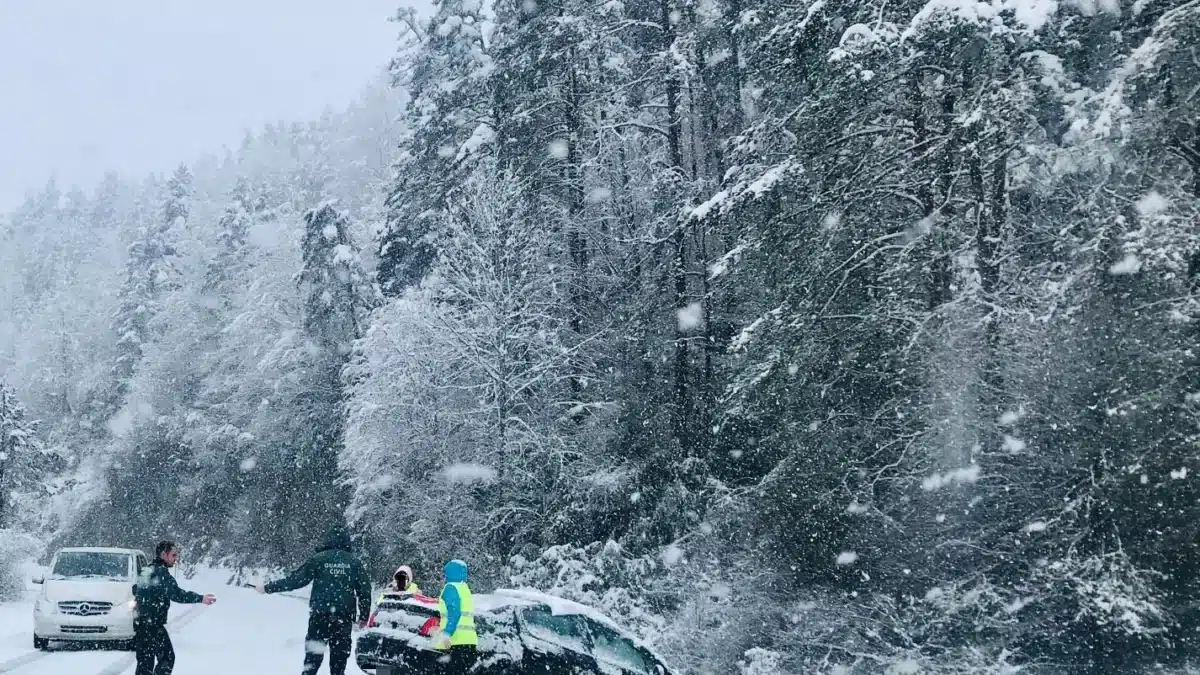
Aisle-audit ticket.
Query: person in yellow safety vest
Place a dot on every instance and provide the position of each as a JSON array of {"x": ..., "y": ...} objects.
[
  {"x": 402, "y": 582},
  {"x": 457, "y": 629}
]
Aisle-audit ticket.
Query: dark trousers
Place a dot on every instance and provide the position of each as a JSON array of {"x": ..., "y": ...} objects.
[
  {"x": 155, "y": 655},
  {"x": 327, "y": 630},
  {"x": 461, "y": 660}
]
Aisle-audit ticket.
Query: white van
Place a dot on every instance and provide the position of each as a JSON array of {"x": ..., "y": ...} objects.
[{"x": 88, "y": 595}]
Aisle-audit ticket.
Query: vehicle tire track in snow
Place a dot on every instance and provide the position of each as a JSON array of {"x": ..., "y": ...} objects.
[
  {"x": 13, "y": 664},
  {"x": 125, "y": 662},
  {"x": 129, "y": 660}
]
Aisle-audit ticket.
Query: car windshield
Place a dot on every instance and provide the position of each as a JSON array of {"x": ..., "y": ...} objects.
[
  {"x": 91, "y": 564},
  {"x": 563, "y": 630},
  {"x": 611, "y": 648}
]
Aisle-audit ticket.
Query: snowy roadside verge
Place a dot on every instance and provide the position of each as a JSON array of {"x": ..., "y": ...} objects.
[{"x": 16, "y": 616}]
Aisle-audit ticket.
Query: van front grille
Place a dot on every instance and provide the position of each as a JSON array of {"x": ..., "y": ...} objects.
[{"x": 85, "y": 608}]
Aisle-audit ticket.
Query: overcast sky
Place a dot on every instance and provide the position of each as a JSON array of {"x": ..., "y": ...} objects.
[{"x": 140, "y": 85}]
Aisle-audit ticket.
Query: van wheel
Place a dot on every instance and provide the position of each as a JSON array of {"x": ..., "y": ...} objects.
[{"x": 41, "y": 644}]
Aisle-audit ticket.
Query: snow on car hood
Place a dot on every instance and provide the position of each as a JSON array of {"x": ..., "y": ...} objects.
[{"x": 101, "y": 590}]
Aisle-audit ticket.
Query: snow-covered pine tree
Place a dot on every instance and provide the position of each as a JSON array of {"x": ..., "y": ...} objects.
[
  {"x": 444, "y": 67},
  {"x": 462, "y": 401},
  {"x": 149, "y": 272},
  {"x": 298, "y": 486},
  {"x": 22, "y": 462}
]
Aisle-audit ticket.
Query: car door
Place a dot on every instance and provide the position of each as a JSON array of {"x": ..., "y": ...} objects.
[
  {"x": 555, "y": 644},
  {"x": 617, "y": 655}
]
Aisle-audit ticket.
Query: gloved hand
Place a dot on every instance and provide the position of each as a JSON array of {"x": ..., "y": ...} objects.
[{"x": 440, "y": 640}]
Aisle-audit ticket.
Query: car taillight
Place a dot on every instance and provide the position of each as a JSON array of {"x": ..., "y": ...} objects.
[{"x": 371, "y": 621}]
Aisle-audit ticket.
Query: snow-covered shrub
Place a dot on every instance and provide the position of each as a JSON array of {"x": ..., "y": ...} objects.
[
  {"x": 17, "y": 551},
  {"x": 836, "y": 634},
  {"x": 601, "y": 574}
]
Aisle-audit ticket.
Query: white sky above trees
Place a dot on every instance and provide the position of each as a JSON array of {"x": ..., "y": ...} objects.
[{"x": 140, "y": 85}]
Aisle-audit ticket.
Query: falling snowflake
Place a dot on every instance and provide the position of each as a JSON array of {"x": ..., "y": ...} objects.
[
  {"x": 121, "y": 423},
  {"x": 671, "y": 555},
  {"x": 717, "y": 57},
  {"x": 690, "y": 317},
  {"x": 1180, "y": 473},
  {"x": 968, "y": 474},
  {"x": 1013, "y": 445},
  {"x": 846, "y": 558},
  {"x": 599, "y": 194},
  {"x": 1152, "y": 204},
  {"x": 248, "y": 464},
  {"x": 1016, "y": 605},
  {"x": 558, "y": 149},
  {"x": 904, "y": 667},
  {"x": 1128, "y": 265},
  {"x": 467, "y": 473},
  {"x": 1036, "y": 526},
  {"x": 1011, "y": 417}
]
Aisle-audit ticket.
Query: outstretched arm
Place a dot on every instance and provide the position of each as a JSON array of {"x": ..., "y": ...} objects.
[
  {"x": 298, "y": 579},
  {"x": 453, "y": 609},
  {"x": 177, "y": 594}
]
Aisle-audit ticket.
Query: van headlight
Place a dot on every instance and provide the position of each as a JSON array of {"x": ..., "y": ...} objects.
[{"x": 44, "y": 606}]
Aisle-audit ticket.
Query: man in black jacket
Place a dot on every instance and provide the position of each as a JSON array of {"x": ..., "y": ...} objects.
[
  {"x": 156, "y": 589},
  {"x": 340, "y": 587}
]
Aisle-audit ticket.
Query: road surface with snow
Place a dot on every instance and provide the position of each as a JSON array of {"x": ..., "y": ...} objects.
[{"x": 244, "y": 632}]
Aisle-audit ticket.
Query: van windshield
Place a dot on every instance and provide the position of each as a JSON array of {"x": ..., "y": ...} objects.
[{"x": 91, "y": 565}]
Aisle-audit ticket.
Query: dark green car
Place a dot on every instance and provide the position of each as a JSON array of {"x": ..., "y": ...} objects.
[{"x": 520, "y": 633}]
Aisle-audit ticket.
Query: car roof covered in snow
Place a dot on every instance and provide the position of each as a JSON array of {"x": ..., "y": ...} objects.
[
  {"x": 484, "y": 602},
  {"x": 556, "y": 604},
  {"x": 504, "y": 598},
  {"x": 98, "y": 549}
]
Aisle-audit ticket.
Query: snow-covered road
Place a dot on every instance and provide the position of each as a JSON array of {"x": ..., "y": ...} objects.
[{"x": 242, "y": 633}]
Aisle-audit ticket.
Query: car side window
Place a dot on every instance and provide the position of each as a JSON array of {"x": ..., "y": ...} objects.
[
  {"x": 609, "y": 647},
  {"x": 563, "y": 630}
]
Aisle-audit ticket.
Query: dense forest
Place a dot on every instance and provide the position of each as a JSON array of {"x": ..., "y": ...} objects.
[{"x": 827, "y": 337}]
